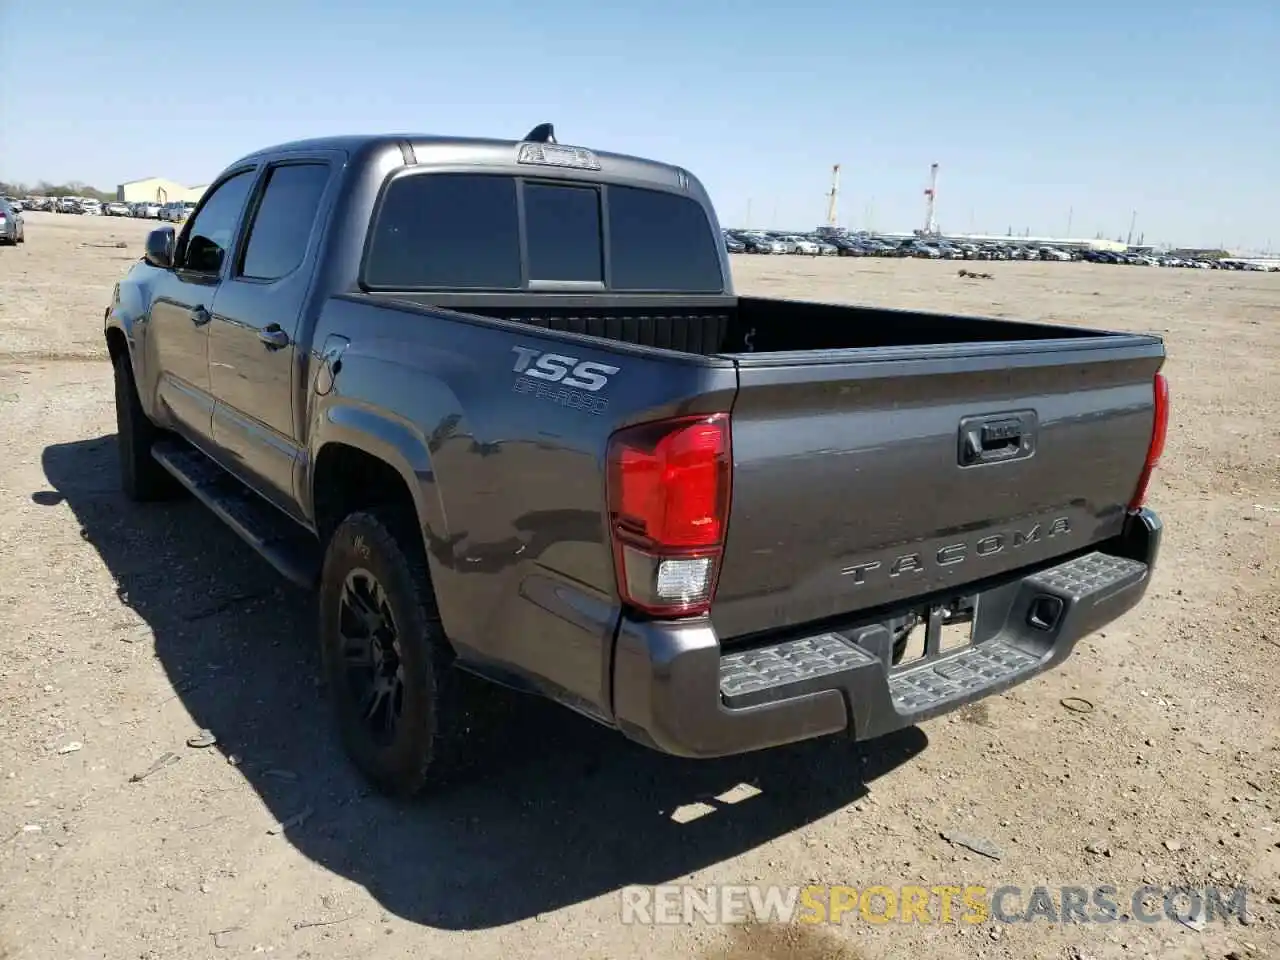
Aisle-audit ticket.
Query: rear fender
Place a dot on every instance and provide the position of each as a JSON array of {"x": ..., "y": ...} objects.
[{"x": 400, "y": 446}]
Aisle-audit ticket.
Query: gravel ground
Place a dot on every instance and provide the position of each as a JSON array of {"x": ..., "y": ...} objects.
[{"x": 130, "y": 630}]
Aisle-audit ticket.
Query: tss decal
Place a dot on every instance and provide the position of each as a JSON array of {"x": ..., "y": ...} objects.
[{"x": 564, "y": 370}]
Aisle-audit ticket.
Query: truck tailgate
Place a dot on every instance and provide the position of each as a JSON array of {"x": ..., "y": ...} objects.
[{"x": 866, "y": 477}]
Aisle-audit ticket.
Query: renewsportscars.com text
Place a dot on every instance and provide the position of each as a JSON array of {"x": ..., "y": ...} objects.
[{"x": 943, "y": 903}]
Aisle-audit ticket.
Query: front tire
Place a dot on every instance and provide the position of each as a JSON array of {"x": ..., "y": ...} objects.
[
  {"x": 388, "y": 666},
  {"x": 141, "y": 478}
]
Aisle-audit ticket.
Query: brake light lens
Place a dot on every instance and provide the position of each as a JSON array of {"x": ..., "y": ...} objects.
[
  {"x": 668, "y": 495},
  {"x": 1155, "y": 449}
]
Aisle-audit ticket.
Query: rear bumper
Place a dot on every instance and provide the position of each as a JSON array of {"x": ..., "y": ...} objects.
[{"x": 675, "y": 691}]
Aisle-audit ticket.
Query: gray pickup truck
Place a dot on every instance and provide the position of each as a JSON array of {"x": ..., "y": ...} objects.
[{"x": 498, "y": 404}]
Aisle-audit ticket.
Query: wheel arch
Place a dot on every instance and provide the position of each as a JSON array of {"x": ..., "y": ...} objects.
[
  {"x": 362, "y": 459},
  {"x": 117, "y": 342}
]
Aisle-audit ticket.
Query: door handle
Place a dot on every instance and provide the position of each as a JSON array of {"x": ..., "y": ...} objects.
[
  {"x": 273, "y": 336},
  {"x": 200, "y": 316},
  {"x": 997, "y": 438}
]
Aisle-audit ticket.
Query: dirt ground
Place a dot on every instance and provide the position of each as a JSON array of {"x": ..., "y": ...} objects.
[{"x": 128, "y": 630}]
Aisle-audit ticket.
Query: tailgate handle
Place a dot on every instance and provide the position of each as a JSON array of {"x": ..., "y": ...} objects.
[{"x": 996, "y": 438}]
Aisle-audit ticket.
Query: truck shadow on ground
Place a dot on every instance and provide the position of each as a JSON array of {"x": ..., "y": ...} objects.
[{"x": 555, "y": 809}]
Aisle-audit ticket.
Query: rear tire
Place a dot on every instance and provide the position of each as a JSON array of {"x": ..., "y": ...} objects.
[
  {"x": 141, "y": 478},
  {"x": 396, "y": 695}
]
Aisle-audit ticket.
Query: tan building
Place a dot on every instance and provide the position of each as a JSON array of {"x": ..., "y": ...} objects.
[{"x": 157, "y": 190}]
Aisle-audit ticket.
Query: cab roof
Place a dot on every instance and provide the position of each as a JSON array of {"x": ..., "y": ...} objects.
[{"x": 427, "y": 149}]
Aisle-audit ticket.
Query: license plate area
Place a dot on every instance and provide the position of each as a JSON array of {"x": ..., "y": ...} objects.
[{"x": 934, "y": 631}]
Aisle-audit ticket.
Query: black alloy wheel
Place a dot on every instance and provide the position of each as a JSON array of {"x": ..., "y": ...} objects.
[{"x": 371, "y": 655}]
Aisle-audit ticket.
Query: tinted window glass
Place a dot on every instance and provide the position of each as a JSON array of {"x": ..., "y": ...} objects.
[
  {"x": 562, "y": 227},
  {"x": 282, "y": 226},
  {"x": 213, "y": 229},
  {"x": 446, "y": 230},
  {"x": 661, "y": 241}
]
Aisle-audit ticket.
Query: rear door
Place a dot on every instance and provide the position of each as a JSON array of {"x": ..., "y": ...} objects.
[
  {"x": 253, "y": 367},
  {"x": 869, "y": 478}
]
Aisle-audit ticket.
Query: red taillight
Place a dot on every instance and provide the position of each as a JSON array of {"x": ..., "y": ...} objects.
[
  {"x": 1159, "y": 431},
  {"x": 668, "y": 493}
]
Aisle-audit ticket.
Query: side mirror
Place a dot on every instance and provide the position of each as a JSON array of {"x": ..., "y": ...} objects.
[{"x": 160, "y": 246}]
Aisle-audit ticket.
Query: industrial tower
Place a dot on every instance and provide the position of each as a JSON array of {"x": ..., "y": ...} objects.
[
  {"x": 833, "y": 196},
  {"x": 930, "y": 201}
]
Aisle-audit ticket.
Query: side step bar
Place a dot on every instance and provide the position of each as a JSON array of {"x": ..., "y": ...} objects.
[{"x": 288, "y": 547}]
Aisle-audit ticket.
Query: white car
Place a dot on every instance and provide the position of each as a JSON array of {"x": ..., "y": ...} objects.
[
  {"x": 150, "y": 211},
  {"x": 91, "y": 207},
  {"x": 773, "y": 244},
  {"x": 801, "y": 245},
  {"x": 176, "y": 211}
]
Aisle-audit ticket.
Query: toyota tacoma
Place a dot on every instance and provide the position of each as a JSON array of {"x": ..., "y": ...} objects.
[{"x": 497, "y": 403}]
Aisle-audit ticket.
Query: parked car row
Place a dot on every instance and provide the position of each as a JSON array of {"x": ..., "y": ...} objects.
[
  {"x": 759, "y": 242},
  {"x": 175, "y": 211},
  {"x": 942, "y": 248},
  {"x": 82, "y": 205},
  {"x": 1162, "y": 260},
  {"x": 866, "y": 245}
]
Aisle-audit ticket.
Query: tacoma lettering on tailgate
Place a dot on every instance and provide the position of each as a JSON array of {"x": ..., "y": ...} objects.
[{"x": 959, "y": 552}]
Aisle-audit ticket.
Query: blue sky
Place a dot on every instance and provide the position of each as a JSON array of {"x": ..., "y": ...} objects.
[{"x": 1040, "y": 113}]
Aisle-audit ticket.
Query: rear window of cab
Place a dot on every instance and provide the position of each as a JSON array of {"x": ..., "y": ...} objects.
[{"x": 462, "y": 231}]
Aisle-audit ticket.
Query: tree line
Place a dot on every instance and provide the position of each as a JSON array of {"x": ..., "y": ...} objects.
[{"x": 45, "y": 189}]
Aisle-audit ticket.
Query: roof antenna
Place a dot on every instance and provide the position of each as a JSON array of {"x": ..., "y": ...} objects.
[{"x": 542, "y": 133}]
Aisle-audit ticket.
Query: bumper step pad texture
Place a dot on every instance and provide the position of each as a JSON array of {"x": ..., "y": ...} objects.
[
  {"x": 1013, "y": 645},
  {"x": 974, "y": 668},
  {"x": 1094, "y": 573},
  {"x": 788, "y": 669}
]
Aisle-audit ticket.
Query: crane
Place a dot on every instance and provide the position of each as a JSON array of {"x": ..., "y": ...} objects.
[
  {"x": 931, "y": 198},
  {"x": 833, "y": 196}
]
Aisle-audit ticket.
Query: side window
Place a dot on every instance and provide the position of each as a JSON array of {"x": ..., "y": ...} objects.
[
  {"x": 446, "y": 230},
  {"x": 213, "y": 229},
  {"x": 282, "y": 226}
]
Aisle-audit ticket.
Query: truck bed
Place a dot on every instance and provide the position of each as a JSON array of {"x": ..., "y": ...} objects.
[
  {"x": 733, "y": 325},
  {"x": 852, "y": 486}
]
